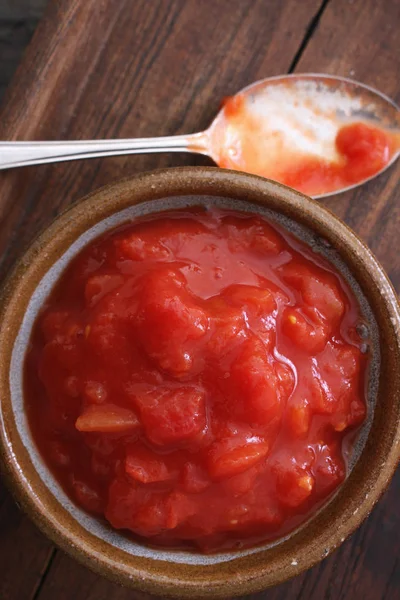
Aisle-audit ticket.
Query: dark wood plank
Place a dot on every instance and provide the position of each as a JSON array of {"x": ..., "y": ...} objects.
[
  {"x": 361, "y": 41},
  {"x": 367, "y": 565},
  {"x": 18, "y": 20},
  {"x": 82, "y": 584},
  {"x": 13, "y": 39},
  {"x": 99, "y": 68},
  {"x": 136, "y": 61},
  {"x": 24, "y": 553},
  {"x": 21, "y": 10}
]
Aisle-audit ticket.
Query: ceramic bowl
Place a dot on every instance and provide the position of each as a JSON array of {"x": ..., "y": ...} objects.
[{"x": 189, "y": 574}]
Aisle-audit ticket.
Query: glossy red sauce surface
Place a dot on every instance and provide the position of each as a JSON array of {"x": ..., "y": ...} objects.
[
  {"x": 360, "y": 150},
  {"x": 194, "y": 378}
]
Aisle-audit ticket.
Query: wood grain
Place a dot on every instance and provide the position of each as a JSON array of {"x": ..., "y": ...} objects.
[
  {"x": 100, "y": 68},
  {"x": 370, "y": 54},
  {"x": 103, "y": 68},
  {"x": 17, "y": 25}
]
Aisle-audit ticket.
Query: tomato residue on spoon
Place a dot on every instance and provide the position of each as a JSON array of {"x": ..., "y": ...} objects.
[
  {"x": 313, "y": 157},
  {"x": 196, "y": 377}
]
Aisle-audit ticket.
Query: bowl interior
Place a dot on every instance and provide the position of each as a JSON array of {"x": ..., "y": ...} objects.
[{"x": 39, "y": 297}]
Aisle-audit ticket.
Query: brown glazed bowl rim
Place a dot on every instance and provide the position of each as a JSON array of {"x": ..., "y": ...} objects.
[{"x": 243, "y": 573}]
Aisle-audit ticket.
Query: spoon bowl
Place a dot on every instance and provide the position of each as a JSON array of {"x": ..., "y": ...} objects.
[
  {"x": 275, "y": 121},
  {"x": 296, "y": 114}
]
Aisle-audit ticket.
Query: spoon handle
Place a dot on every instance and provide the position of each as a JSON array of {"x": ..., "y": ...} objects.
[{"x": 20, "y": 154}]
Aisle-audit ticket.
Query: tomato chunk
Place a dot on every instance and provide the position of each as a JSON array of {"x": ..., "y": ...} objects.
[
  {"x": 136, "y": 247},
  {"x": 254, "y": 233},
  {"x": 136, "y": 508},
  {"x": 301, "y": 329},
  {"x": 88, "y": 497},
  {"x": 107, "y": 418},
  {"x": 226, "y": 459},
  {"x": 294, "y": 485},
  {"x": 143, "y": 466},
  {"x": 53, "y": 323},
  {"x": 299, "y": 417},
  {"x": 169, "y": 322},
  {"x": 329, "y": 469},
  {"x": 194, "y": 478},
  {"x": 367, "y": 149},
  {"x": 252, "y": 299},
  {"x": 255, "y": 383},
  {"x": 172, "y": 416},
  {"x": 100, "y": 285},
  {"x": 227, "y": 326},
  {"x": 320, "y": 293}
]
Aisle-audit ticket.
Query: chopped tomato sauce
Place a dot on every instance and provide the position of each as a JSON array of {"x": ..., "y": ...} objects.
[
  {"x": 194, "y": 379},
  {"x": 244, "y": 142}
]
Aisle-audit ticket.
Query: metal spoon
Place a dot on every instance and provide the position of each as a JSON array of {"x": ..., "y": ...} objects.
[{"x": 335, "y": 101}]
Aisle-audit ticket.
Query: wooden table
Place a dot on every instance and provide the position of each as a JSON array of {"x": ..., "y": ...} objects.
[
  {"x": 18, "y": 21},
  {"x": 103, "y": 68}
]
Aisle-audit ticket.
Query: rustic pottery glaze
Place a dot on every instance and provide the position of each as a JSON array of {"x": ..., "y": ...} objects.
[{"x": 189, "y": 574}]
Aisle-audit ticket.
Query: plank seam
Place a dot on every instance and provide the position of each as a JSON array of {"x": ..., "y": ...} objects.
[
  {"x": 46, "y": 571},
  {"x": 308, "y": 35}
]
